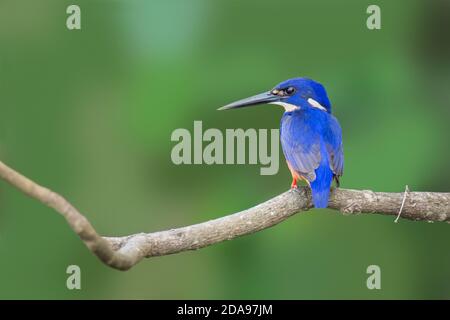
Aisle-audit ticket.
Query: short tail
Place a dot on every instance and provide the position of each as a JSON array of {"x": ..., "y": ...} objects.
[{"x": 321, "y": 185}]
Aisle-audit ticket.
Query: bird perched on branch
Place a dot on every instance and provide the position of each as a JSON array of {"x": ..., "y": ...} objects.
[{"x": 311, "y": 136}]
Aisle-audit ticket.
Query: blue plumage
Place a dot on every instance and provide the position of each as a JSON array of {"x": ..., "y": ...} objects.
[
  {"x": 311, "y": 137},
  {"x": 310, "y": 140}
]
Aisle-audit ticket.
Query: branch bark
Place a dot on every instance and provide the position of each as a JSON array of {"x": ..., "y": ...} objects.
[{"x": 124, "y": 252}]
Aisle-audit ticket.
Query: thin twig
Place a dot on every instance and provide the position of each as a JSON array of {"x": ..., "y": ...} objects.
[{"x": 124, "y": 252}]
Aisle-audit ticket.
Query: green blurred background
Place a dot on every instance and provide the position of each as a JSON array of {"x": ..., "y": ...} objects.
[{"x": 89, "y": 114}]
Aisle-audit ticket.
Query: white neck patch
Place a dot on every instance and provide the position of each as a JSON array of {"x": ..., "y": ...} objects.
[
  {"x": 287, "y": 106},
  {"x": 315, "y": 104}
]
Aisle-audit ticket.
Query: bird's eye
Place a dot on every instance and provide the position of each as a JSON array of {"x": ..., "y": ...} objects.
[{"x": 290, "y": 90}]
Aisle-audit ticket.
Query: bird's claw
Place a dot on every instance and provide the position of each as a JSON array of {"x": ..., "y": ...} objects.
[{"x": 294, "y": 184}]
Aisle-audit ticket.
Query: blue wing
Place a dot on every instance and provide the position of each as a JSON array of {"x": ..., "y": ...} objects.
[{"x": 300, "y": 140}]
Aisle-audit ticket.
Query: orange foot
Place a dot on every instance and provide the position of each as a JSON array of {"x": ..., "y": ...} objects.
[{"x": 294, "y": 183}]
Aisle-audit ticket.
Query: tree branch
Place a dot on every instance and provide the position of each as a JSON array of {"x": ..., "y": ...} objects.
[{"x": 124, "y": 252}]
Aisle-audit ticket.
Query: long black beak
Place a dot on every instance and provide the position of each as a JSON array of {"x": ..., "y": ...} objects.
[{"x": 262, "y": 98}]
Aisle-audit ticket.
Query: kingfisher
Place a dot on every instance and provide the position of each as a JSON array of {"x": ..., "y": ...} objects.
[{"x": 311, "y": 137}]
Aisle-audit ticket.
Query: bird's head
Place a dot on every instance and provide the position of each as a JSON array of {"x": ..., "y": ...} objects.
[{"x": 291, "y": 94}]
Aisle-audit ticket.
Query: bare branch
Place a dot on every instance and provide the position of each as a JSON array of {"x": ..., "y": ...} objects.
[{"x": 124, "y": 252}]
